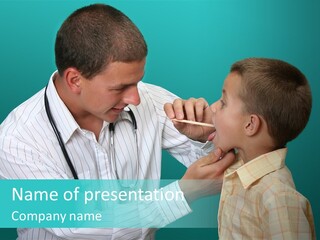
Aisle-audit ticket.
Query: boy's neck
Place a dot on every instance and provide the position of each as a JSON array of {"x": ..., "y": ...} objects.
[{"x": 252, "y": 152}]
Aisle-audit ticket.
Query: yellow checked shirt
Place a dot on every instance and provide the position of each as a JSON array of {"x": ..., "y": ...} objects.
[{"x": 259, "y": 201}]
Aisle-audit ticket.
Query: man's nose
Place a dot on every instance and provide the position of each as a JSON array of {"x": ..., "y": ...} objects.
[{"x": 132, "y": 96}]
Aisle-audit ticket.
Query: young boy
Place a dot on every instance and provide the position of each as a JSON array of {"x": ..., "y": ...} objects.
[{"x": 265, "y": 103}]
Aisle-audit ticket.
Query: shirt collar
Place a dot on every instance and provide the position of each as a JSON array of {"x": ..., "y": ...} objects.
[
  {"x": 63, "y": 119},
  {"x": 124, "y": 115},
  {"x": 257, "y": 168}
]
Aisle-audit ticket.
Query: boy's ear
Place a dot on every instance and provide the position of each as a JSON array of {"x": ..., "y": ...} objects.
[
  {"x": 73, "y": 79},
  {"x": 252, "y": 125}
]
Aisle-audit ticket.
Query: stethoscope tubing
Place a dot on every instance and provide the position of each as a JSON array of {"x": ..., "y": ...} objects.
[{"x": 58, "y": 135}]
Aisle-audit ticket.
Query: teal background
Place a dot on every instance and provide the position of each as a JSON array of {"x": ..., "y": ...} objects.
[{"x": 191, "y": 47}]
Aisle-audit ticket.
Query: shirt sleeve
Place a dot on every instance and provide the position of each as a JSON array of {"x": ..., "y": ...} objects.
[
  {"x": 289, "y": 216},
  {"x": 20, "y": 160},
  {"x": 154, "y": 214},
  {"x": 172, "y": 212}
]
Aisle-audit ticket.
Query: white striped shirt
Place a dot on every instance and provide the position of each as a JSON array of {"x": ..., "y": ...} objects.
[{"x": 29, "y": 149}]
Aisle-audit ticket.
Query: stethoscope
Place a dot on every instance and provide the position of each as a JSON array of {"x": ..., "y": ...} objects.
[{"x": 111, "y": 129}]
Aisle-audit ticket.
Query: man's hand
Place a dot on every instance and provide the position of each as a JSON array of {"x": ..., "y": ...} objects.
[
  {"x": 204, "y": 177},
  {"x": 194, "y": 110}
]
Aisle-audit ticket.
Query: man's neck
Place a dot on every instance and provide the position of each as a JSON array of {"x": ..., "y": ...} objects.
[{"x": 84, "y": 119}]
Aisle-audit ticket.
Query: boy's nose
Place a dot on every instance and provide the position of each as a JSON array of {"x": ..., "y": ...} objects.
[{"x": 213, "y": 107}]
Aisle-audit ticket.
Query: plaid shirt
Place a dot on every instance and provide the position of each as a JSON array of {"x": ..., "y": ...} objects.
[{"x": 259, "y": 201}]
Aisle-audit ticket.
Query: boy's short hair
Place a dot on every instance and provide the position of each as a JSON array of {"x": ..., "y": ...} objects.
[{"x": 278, "y": 92}]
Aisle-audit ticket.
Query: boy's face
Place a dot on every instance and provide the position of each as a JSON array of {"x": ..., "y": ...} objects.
[{"x": 229, "y": 115}]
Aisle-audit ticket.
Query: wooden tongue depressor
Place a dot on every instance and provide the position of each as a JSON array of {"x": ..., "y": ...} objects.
[{"x": 194, "y": 123}]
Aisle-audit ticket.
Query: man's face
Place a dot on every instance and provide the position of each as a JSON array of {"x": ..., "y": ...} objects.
[{"x": 108, "y": 93}]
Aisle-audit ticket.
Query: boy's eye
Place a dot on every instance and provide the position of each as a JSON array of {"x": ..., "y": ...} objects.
[{"x": 222, "y": 103}]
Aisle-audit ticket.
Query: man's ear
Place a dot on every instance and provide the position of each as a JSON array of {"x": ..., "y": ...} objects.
[
  {"x": 73, "y": 79},
  {"x": 252, "y": 125}
]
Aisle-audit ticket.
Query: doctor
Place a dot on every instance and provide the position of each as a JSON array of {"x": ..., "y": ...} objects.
[{"x": 97, "y": 120}]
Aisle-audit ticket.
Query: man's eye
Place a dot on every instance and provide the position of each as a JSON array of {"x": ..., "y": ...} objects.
[{"x": 118, "y": 89}]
